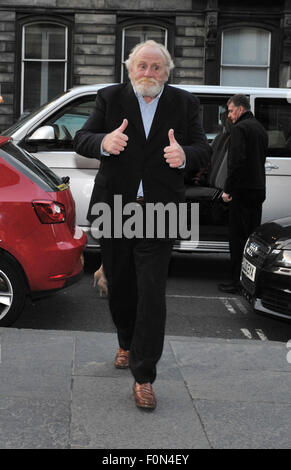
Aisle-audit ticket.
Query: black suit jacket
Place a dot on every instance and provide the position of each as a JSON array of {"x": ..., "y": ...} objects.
[
  {"x": 143, "y": 158},
  {"x": 246, "y": 159}
]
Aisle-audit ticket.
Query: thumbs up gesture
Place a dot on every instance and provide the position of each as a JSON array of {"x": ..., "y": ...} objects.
[
  {"x": 116, "y": 141},
  {"x": 174, "y": 154}
]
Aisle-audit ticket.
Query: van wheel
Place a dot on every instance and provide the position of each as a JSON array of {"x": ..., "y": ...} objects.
[{"x": 12, "y": 291}]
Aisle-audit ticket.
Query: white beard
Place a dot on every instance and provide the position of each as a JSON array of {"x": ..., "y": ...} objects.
[{"x": 147, "y": 87}]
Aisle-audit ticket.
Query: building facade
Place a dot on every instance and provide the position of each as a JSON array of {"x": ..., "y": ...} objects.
[{"x": 48, "y": 46}]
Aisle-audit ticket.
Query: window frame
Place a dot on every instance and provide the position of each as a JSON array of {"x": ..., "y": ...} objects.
[
  {"x": 247, "y": 66},
  {"x": 134, "y": 21},
  {"x": 24, "y": 60},
  {"x": 213, "y": 61},
  {"x": 21, "y": 23},
  {"x": 123, "y": 58}
]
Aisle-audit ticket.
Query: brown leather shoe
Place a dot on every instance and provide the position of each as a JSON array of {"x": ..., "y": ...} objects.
[
  {"x": 121, "y": 359},
  {"x": 144, "y": 396}
]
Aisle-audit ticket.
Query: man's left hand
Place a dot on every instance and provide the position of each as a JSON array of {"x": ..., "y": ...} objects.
[{"x": 174, "y": 154}]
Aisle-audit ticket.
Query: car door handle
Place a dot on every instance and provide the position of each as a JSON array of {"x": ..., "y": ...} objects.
[{"x": 270, "y": 166}]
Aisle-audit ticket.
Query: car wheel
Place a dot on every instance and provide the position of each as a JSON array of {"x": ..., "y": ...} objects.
[{"x": 12, "y": 291}]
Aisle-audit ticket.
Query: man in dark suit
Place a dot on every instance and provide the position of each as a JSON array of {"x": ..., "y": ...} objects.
[
  {"x": 245, "y": 186},
  {"x": 144, "y": 133}
]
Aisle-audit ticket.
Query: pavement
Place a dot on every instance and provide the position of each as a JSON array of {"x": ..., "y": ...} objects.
[{"x": 60, "y": 390}]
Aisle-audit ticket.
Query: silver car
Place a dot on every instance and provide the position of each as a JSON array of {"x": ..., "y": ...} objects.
[{"x": 48, "y": 134}]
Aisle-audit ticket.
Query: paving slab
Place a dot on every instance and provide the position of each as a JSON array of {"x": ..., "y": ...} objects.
[
  {"x": 104, "y": 416},
  {"x": 241, "y": 386},
  {"x": 244, "y": 425},
  {"x": 237, "y": 355},
  {"x": 35, "y": 365},
  {"x": 33, "y": 423},
  {"x": 94, "y": 357},
  {"x": 42, "y": 354}
]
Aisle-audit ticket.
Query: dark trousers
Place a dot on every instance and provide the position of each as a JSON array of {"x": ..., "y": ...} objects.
[
  {"x": 137, "y": 270},
  {"x": 244, "y": 217}
]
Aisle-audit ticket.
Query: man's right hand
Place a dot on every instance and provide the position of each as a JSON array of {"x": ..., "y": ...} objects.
[
  {"x": 116, "y": 141},
  {"x": 226, "y": 197}
]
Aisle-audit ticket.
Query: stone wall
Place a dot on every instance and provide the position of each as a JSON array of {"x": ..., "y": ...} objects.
[
  {"x": 7, "y": 66},
  {"x": 189, "y": 49},
  {"x": 94, "y": 48},
  {"x": 95, "y": 40}
]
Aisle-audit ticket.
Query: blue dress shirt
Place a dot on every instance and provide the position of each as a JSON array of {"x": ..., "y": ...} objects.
[{"x": 147, "y": 113}]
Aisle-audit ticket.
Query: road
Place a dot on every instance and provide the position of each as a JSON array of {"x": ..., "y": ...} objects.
[{"x": 195, "y": 306}]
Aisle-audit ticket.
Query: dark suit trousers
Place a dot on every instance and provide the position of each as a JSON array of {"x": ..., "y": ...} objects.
[
  {"x": 244, "y": 217},
  {"x": 136, "y": 270}
]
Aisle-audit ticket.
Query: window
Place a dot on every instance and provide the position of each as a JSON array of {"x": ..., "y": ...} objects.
[
  {"x": 245, "y": 57},
  {"x": 72, "y": 117},
  {"x": 275, "y": 114},
  {"x": 44, "y": 63},
  {"x": 65, "y": 124},
  {"x": 211, "y": 108},
  {"x": 133, "y": 35}
]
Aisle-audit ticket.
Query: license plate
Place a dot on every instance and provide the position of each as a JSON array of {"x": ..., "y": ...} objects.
[{"x": 248, "y": 269}]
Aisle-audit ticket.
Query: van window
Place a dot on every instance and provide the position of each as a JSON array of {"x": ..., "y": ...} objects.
[
  {"x": 72, "y": 117},
  {"x": 65, "y": 122},
  {"x": 275, "y": 115},
  {"x": 211, "y": 108}
]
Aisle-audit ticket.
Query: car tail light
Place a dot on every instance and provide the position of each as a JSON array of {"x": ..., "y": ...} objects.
[
  {"x": 4, "y": 139},
  {"x": 50, "y": 212}
]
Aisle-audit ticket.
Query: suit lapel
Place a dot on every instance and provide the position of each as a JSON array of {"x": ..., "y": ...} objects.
[
  {"x": 164, "y": 109},
  {"x": 132, "y": 110}
]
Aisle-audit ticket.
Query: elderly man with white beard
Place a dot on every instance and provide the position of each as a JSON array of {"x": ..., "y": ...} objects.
[{"x": 145, "y": 134}]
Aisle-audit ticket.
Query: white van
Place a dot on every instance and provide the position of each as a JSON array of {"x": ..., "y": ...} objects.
[{"x": 48, "y": 134}]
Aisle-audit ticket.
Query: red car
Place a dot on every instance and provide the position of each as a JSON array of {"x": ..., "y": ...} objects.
[{"x": 40, "y": 245}]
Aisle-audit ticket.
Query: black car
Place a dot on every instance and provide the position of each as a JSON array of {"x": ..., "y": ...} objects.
[{"x": 266, "y": 268}]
